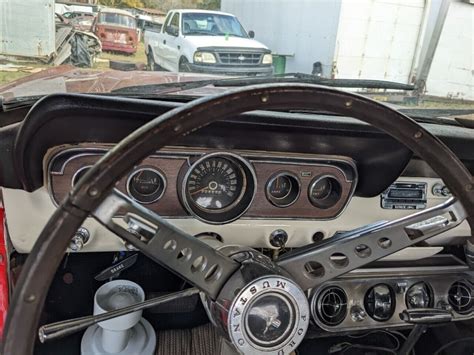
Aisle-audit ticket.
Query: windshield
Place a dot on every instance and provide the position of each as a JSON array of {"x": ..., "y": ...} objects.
[
  {"x": 202, "y": 24},
  {"x": 406, "y": 53},
  {"x": 110, "y": 18}
]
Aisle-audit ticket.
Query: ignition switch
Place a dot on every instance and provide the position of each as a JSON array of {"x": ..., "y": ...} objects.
[
  {"x": 80, "y": 238},
  {"x": 278, "y": 238}
]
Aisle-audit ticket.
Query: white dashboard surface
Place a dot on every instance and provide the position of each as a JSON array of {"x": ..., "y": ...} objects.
[{"x": 27, "y": 213}]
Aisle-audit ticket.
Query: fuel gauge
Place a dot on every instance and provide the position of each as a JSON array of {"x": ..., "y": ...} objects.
[
  {"x": 283, "y": 189},
  {"x": 146, "y": 185}
]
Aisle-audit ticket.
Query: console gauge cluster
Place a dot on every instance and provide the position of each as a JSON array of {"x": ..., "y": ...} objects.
[{"x": 361, "y": 301}]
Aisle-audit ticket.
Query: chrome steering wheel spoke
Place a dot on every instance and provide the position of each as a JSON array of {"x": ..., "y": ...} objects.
[
  {"x": 196, "y": 262},
  {"x": 312, "y": 265}
]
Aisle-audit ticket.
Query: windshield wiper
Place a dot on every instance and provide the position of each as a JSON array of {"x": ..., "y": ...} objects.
[{"x": 252, "y": 80}]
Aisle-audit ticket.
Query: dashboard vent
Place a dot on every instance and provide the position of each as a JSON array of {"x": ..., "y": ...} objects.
[
  {"x": 332, "y": 305},
  {"x": 460, "y": 297}
]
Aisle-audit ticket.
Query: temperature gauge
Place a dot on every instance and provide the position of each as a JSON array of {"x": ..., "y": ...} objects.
[
  {"x": 283, "y": 189},
  {"x": 324, "y": 192}
]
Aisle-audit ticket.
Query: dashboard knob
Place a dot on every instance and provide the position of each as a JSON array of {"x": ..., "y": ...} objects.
[
  {"x": 440, "y": 190},
  {"x": 79, "y": 239},
  {"x": 278, "y": 238},
  {"x": 358, "y": 314}
]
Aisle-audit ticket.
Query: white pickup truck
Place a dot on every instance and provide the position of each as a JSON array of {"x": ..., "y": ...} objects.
[{"x": 206, "y": 42}]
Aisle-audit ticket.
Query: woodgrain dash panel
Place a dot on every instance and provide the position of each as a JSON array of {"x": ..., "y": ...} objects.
[{"x": 171, "y": 162}]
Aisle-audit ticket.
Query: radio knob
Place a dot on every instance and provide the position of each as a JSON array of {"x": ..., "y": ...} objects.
[{"x": 440, "y": 190}]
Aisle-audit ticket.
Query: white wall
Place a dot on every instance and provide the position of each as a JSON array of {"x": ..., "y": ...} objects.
[
  {"x": 452, "y": 70},
  {"x": 304, "y": 29},
  {"x": 377, "y": 39},
  {"x": 27, "y": 28},
  {"x": 368, "y": 39}
]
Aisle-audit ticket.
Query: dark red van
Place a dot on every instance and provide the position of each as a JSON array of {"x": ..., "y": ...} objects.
[{"x": 117, "y": 30}]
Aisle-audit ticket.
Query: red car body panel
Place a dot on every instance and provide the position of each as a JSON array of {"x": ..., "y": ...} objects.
[{"x": 117, "y": 39}]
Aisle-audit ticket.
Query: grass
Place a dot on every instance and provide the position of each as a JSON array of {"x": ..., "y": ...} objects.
[
  {"x": 6, "y": 77},
  {"x": 103, "y": 64}
]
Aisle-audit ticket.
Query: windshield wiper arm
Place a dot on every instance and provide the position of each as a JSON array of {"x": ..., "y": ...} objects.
[
  {"x": 252, "y": 80},
  {"x": 313, "y": 79}
]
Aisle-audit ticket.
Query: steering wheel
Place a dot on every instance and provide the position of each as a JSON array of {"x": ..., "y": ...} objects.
[{"x": 238, "y": 284}]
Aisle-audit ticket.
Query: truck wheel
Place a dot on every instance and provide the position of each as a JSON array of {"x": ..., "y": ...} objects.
[
  {"x": 184, "y": 65},
  {"x": 152, "y": 66}
]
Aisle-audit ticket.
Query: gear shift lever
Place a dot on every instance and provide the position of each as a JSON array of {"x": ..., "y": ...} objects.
[{"x": 421, "y": 318}]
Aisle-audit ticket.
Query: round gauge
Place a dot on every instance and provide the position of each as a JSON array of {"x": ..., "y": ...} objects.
[
  {"x": 218, "y": 187},
  {"x": 379, "y": 302},
  {"x": 146, "y": 185},
  {"x": 324, "y": 191},
  {"x": 419, "y": 295},
  {"x": 79, "y": 174},
  {"x": 283, "y": 189}
]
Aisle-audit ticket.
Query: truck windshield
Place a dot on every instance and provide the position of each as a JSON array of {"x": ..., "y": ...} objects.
[
  {"x": 206, "y": 24},
  {"x": 110, "y": 18}
]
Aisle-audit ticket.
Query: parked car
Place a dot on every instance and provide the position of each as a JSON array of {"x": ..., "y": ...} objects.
[
  {"x": 82, "y": 23},
  {"x": 206, "y": 42},
  {"x": 73, "y": 14},
  {"x": 117, "y": 29}
]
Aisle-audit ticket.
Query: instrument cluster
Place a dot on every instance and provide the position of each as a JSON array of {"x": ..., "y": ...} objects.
[{"x": 220, "y": 187}]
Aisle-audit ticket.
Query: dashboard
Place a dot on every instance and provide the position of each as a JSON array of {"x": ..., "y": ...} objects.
[
  {"x": 309, "y": 175},
  {"x": 267, "y": 180}
]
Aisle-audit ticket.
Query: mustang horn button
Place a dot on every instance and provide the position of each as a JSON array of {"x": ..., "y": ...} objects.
[{"x": 259, "y": 310}]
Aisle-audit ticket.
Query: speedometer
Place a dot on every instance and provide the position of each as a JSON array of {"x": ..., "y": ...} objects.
[
  {"x": 218, "y": 187},
  {"x": 216, "y": 183}
]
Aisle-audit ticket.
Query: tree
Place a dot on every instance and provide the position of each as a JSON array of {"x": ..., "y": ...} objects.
[
  {"x": 210, "y": 4},
  {"x": 122, "y": 3}
]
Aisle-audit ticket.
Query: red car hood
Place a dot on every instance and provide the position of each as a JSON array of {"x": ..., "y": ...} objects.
[{"x": 67, "y": 78}]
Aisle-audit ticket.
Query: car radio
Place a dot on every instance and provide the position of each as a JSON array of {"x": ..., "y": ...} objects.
[{"x": 405, "y": 196}]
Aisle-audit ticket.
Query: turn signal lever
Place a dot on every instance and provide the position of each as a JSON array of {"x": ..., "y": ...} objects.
[{"x": 421, "y": 318}]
